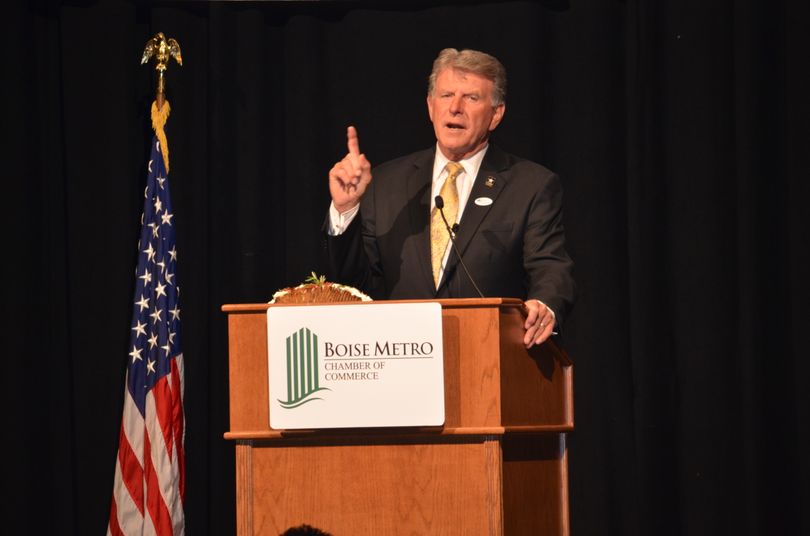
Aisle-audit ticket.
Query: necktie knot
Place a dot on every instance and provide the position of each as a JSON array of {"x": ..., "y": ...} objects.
[{"x": 454, "y": 169}]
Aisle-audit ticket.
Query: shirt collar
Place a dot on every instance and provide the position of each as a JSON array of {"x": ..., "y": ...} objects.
[{"x": 471, "y": 164}]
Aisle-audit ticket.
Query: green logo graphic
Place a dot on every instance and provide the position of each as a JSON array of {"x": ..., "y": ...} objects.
[{"x": 302, "y": 369}]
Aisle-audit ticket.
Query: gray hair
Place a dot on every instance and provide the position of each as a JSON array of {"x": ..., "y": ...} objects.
[{"x": 472, "y": 61}]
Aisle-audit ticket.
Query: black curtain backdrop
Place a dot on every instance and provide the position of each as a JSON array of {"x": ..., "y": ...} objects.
[{"x": 680, "y": 131}]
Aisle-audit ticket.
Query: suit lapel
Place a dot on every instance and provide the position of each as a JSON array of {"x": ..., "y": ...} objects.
[
  {"x": 488, "y": 184},
  {"x": 419, "y": 186}
]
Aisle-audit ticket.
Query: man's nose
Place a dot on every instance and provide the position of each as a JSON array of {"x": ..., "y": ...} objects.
[{"x": 457, "y": 105}]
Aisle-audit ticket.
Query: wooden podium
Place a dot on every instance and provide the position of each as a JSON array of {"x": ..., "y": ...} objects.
[{"x": 497, "y": 466}]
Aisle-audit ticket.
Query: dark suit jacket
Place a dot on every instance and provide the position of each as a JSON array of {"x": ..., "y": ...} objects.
[{"x": 513, "y": 247}]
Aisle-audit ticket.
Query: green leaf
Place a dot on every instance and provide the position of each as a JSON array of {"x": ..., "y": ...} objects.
[{"x": 315, "y": 279}]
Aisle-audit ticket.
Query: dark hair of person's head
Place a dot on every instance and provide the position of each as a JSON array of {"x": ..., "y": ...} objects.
[{"x": 304, "y": 530}]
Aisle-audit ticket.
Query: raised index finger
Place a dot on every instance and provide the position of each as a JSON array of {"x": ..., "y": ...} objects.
[{"x": 352, "y": 141}]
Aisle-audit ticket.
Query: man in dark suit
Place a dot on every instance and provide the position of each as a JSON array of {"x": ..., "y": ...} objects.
[{"x": 508, "y": 211}]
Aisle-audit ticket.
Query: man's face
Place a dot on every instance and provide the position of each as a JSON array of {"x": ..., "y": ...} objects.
[{"x": 462, "y": 113}]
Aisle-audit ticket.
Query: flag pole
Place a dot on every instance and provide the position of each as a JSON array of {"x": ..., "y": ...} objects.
[{"x": 149, "y": 485}]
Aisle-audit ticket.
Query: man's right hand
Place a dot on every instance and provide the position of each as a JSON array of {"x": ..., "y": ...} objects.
[{"x": 349, "y": 178}]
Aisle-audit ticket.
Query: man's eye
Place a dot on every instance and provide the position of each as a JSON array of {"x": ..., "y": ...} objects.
[{"x": 473, "y": 98}]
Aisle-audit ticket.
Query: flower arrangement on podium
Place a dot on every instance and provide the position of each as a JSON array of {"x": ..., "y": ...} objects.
[{"x": 316, "y": 289}]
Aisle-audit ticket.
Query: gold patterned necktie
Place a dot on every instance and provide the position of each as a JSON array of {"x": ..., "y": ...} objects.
[{"x": 439, "y": 235}]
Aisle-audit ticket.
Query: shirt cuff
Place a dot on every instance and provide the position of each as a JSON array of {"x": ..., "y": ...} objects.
[{"x": 339, "y": 222}]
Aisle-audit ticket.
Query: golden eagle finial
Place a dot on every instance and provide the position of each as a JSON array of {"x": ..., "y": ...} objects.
[{"x": 163, "y": 50}]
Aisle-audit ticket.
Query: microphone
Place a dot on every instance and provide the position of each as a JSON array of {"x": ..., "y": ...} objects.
[{"x": 452, "y": 232}]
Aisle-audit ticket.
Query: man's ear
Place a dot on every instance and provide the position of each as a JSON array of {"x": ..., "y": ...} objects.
[
  {"x": 497, "y": 116},
  {"x": 430, "y": 107}
]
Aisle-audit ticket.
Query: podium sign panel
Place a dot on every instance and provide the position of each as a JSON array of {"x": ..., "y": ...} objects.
[{"x": 355, "y": 366}]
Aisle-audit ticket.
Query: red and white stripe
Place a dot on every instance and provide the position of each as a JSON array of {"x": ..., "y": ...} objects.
[{"x": 149, "y": 488}]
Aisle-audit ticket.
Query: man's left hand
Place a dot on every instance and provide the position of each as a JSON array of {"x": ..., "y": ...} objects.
[{"x": 539, "y": 324}]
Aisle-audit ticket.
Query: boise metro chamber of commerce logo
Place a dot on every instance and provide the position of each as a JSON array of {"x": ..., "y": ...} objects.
[{"x": 303, "y": 369}]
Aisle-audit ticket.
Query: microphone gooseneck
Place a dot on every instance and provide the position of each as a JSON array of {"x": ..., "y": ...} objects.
[{"x": 452, "y": 232}]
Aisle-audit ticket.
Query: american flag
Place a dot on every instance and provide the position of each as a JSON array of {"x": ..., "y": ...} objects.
[{"x": 149, "y": 488}]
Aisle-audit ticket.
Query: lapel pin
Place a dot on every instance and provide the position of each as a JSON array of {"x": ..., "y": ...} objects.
[{"x": 490, "y": 182}]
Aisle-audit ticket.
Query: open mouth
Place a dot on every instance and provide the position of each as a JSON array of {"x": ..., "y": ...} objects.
[{"x": 455, "y": 126}]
